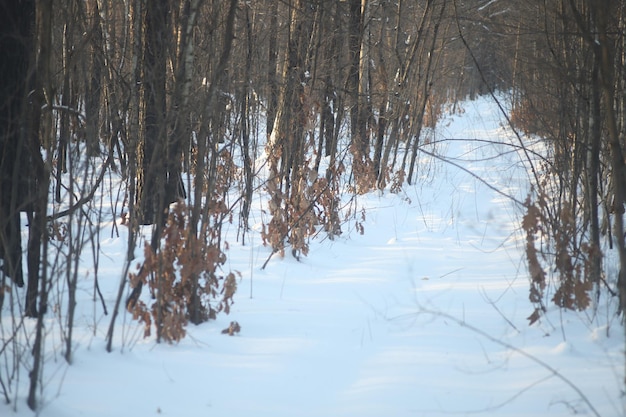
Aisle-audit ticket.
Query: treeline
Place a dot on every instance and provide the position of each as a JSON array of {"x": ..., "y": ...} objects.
[
  {"x": 188, "y": 100},
  {"x": 568, "y": 84}
]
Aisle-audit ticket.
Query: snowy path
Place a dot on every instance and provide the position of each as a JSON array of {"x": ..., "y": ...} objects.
[{"x": 343, "y": 333}]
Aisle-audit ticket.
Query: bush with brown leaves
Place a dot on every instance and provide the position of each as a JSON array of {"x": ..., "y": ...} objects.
[{"x": 184, "y": 279}]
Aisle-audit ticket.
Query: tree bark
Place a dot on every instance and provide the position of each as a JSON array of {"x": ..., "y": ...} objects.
[
  {"x": 153, "y": 179},
  {"x": 16, "y": 28},
  {"x": 39, "y": 133}
]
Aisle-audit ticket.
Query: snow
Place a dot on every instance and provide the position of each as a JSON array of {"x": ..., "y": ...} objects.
[{"x": 422, "y": 315}]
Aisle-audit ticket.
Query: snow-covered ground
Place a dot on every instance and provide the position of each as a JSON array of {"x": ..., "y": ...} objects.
[{"x": 422, "y": 315}]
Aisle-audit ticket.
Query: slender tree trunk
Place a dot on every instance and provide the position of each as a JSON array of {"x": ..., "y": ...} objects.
[
  {"x": 382, "y": 91},
  {"x": 354, "y": 52},
  {"x": 64, "y": 129},
  {"x": 39, "y": 132},
  {"x": 592, "y": 175},
  {"x": 272, "y": 62},
  {"x": 37, "y": 237},
  {"x": 135, "y": 13},
  {"x": 245, "y": 130},
  {"x": 425, "y": 91},
  {"x": 407, "y": 57},
  {"x": 363, "y": 109},
  {"x": 94, "y": 79},
  {"x": 618, "y": 166},
  {"x": 286, "y": 142}
]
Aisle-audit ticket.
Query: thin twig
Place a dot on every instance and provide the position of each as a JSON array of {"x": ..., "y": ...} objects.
[
  {"x": 479, "y": 178},
  {"x": 552, "y": 370}
]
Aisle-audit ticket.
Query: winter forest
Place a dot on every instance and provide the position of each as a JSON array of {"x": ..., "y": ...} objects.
[{"x": 183, "y": 134}]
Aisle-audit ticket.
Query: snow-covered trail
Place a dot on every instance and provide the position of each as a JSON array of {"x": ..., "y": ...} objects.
[{"x": 366, "y": 325}]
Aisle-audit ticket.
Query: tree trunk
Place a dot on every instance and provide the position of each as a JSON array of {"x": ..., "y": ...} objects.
[
  {"x": 40, "y": 132},
  {"x": 245, "y": 132},
  {"x": 153, "y": 166},
  {"x": 134, "y": 12},
  {"x": 272, "y": 62},
  {"x": 93, "y": 79},
  {"x": 425, "y": 92},
  {"x": 286, "y": 144},
  {"x": 354, "y": 52},
  {"x": 16, "y": 25}
]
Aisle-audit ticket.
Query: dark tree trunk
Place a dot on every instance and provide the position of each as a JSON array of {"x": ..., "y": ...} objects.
[
  {"x": 153, "y": 169},
  {"x": 16, "y": 28},
  {"x": 94, "y": 79},
  {"x": 39, "y": 132},
  {"x": 272, "y": 59},
  {"x": 354, "y": 51},
  {"x": 154, "y": 145},
  {"x": 21, "y": 164},
  {"x": 160, "y": 179},
  {"x": 245, "y": 133}
]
